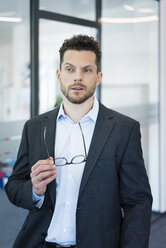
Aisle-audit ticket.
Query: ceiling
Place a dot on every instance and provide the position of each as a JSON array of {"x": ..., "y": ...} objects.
[{"x": 113, "y": 8}]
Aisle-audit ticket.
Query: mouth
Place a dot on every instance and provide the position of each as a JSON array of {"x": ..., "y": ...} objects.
[{"x": 77, "y": 88}]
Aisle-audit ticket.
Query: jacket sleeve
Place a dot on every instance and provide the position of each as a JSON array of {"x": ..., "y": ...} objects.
[
  {"x": 135, "y": 194},
  {"x": 19, "y": 186}
]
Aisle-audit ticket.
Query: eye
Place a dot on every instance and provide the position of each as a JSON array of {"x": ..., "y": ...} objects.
[
  {"x": 88, "y": 70},
  {"x": 69, "y": 69}
]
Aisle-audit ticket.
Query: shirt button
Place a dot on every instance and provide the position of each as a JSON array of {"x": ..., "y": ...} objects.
[
  {"x": 68, "y": 203},
  {"x": 65, "y": 230},
  {"x": 70, "y": 176}
]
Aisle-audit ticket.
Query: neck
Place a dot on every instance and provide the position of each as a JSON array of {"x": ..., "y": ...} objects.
[{"x": 76, "y": 111}]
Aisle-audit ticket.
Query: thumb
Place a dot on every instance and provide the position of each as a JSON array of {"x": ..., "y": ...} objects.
[{"x": 50, "y": 158}]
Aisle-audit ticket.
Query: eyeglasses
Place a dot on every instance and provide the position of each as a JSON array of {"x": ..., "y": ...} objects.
[{"x": 61, "y": 161}]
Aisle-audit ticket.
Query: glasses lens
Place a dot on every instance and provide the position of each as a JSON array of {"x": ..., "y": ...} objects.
[
  {"x": 78, "y": 159},
  {"x": 60, "y": 161}
]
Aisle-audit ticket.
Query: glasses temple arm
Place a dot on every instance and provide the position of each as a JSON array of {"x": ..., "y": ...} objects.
[
  {"x": 83, "y": 139},
  {"x": 45, "y": 143}
]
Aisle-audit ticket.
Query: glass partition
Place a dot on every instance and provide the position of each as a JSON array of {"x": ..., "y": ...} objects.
[
  {"x": 52, "y": 35},
  {"x": 14, "y": 80},
  {"x": 81, "y": 9},
  {"x": 130, "y": 72}
]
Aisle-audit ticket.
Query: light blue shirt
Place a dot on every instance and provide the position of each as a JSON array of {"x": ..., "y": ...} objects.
[{"x": 69, "y": 143}]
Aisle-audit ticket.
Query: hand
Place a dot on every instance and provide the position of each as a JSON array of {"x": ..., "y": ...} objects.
[{"x": 42, "y": 173}]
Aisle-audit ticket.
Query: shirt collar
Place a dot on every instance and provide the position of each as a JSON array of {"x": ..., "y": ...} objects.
[{"x": 92, "y": 114}]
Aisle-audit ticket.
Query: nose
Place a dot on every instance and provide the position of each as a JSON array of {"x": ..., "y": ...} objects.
[{"x": 78, "y": 75}]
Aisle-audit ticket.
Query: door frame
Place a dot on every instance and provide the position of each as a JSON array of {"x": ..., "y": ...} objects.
[{"x": 35, "y": 15}]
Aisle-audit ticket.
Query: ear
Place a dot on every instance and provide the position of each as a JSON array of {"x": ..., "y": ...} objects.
[
  {"x": 58, "y": 74},
  {"x": 99, "y": 77}
]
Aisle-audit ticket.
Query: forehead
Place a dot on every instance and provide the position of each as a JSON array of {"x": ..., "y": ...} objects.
[{"x": 79, "y": 57}]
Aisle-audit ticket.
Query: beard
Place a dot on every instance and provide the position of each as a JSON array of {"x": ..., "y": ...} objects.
[{"x": 77, "y": 97}]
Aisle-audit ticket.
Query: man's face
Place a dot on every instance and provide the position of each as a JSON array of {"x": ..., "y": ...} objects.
[{"x": 78, "y": 75}]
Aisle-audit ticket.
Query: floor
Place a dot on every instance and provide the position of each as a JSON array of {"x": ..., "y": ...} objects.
[
  {"x": 158, "y": 233},
  {"x": 11, "y": 219}
]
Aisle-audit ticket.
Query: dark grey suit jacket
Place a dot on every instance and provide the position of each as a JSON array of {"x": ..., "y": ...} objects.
[{"x": 114, "y": 203}]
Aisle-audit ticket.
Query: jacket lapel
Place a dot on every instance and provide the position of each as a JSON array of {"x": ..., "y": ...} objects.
[
  {"x": 49, "y": 121},
  {"x": 103, "y": 128}
]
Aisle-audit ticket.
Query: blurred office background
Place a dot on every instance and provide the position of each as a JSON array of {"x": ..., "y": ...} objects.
[{"x": 132, "y": 34}]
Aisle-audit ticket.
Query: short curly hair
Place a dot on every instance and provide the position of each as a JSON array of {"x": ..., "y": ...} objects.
[{"x": 81, "y": 43}]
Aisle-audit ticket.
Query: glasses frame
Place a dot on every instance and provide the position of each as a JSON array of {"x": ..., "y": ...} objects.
[{"x": 66, "y": 162}]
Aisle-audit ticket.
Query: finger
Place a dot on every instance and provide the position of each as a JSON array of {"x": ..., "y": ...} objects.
[
  {"x": 42, "y": 169},
  {"x": 41, "y": 184},
  {"x": 41, "y": 179},
  {"x": 47, "y": 181},
  {"x": 44, "y": 175},
  {"x": 42, "y": 162},
  {"x": 51, "y": 158}
]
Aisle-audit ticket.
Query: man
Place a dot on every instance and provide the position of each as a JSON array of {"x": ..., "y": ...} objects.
[{"x": 79, "y": 168}]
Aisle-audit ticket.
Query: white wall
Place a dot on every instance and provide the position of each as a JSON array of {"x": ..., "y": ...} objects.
[{"x": 162, "y": 106}]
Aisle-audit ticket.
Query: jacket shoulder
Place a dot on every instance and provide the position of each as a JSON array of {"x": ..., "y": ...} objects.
[
  {"x": 119, "y": 117},
  {"x": 46, "y": 115}
]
